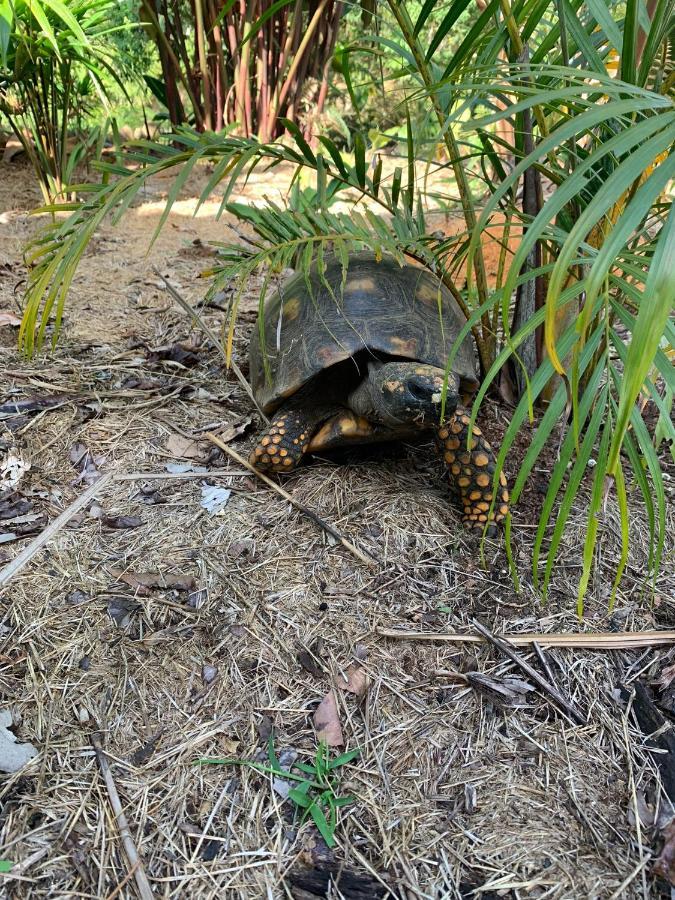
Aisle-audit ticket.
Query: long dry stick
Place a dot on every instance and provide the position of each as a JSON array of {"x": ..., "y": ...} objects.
[
  {"x": 368, "y": 560},
  {"x": 181, "y": 301},
  {"x": 18, "y": 563},
  {"x": 130, "y": 850},
  {"x": 620, "y": 640}
]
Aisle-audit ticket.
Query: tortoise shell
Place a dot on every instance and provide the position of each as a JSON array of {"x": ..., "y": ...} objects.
[{"x": 400, "y": 311}]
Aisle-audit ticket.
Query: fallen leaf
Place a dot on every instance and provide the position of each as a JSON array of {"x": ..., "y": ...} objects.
[
  {"x": 665, "y": 864},
  {"x": 197, "y": 598},
  {"x": 181, "y": 468},
  {"x": 264, "y": 727},
  {"x": 214, "y": 499},
  {"x": 356, "y": 680},
  {"x": 120, "y": 522},
  {"x": 85, "y": 463},
  {"x": 35, "y": 404},
  {"x": 501, "y": 692},
  {"x": 134, "y": 383},
  {"x": 143, "y": 582},
  {"x": 327, "y": 722},
  {"x": 180, "y": 354},
  {"x": 151, "y": 496},
  {"x": 234, "y": 430},
  {"x": 13, "y": 756},
  {"x": 666, "y": 676},
  {"x": 180, "y": 446},
  {"x": 120, "y": 610},
  {"x": 209, "y": 673},
  {"x": 197, "y": 249},
  {"x": 75, "y": 598},
  {"x": 9, "y": 318},
  {"x": 309, "y": 663},
  {"x": 280, "y": 785},
  {"x": 240, "y": 548},
  {"x": 143, "y": 754},
  {"x": 14, "y": 505}
]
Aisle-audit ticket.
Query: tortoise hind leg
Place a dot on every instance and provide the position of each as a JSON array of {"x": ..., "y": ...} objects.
[
  {"x": 285, "y": 442},
  {"x": 471, "y": 474}
]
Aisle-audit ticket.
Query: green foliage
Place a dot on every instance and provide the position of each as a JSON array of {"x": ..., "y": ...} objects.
[
  {"x": 6, "y": 865},
  {"x": 52, "y": 59},
  {"x": 597, "y": 244},
  {"x": 244, "y": 64},
  {"x": 315, "y": 792}
]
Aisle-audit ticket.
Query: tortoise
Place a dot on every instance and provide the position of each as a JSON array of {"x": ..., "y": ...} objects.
[{"x": 358, "y": 354}]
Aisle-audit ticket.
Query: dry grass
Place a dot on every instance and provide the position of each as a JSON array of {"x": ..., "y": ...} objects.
[{"x": 454, "y": 793}]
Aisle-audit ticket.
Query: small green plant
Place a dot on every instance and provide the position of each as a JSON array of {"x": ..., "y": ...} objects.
[
  {"x": 53, "y": 59},
  {"x": 6, "y": 865},
  {"x": 315, "y": 794}
]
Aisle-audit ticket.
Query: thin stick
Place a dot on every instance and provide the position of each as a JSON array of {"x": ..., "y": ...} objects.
[
  {"x": 130, "y": 851},
  {"x": 507, "y": 649},
  {"x": 543, "y": 661},
  {"x": 181, "y": 301},
  {"x": 169, "y": 476},
  {"x": 18, "y": 563},
  {"x": 626, "y": 640},
  {"x": 368, "y": 560}
]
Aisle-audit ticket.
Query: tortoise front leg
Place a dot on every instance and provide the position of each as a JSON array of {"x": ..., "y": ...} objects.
[
  {"x": 285, "y": 442},
  {"x": 471, "y": 473}
]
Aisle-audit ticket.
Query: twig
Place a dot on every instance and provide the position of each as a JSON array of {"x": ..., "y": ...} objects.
[
  {"x": 18, "y": 563},
  {"x": 190, "y": 310},
  {"x": 507, "y": 649},
  {"x": 177, "y": 476},
  {"x": 133, "y": 858},
  {"x": 359, "y": 554},
  {"x": 543, "y": 661},
  {"x": 620, "y": 640}
]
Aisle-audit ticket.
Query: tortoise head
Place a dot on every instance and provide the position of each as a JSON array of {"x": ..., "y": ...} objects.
[{"x": 404, "y": 393}]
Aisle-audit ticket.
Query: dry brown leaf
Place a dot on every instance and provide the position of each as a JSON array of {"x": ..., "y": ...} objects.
[
  {"x": 666, "y": 676},
  {"x": 143, "y": 582},
  {"x": 327, "y": 722},
  {"x": 9, "y": 318},
  {"x": 234, "y": 429},
  {"x": 665, "y": 864},
  {"x": 186, "y": 448},
  {"x": 121, "y": 522},
  {"x": 356, "y": 681}
]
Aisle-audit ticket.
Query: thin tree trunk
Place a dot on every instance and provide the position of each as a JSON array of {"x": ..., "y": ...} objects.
[{"x": 200, "y": 41}]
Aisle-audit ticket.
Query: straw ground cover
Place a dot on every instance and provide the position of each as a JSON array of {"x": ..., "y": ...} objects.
[{"x": 453, "y": 792}]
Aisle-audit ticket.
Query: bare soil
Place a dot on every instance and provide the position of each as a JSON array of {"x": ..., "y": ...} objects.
[{"x": 457, "y": 792}]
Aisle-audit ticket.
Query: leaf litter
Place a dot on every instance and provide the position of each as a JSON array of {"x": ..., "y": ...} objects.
[{"x": 552, "y": 815}]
